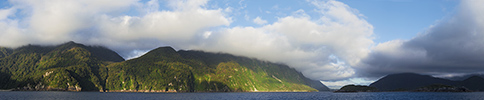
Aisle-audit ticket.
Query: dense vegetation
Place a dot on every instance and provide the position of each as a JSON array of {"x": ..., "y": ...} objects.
[
  {"x": 69, "y": 66},
  {"x": 168, "y": 70},
  {"x": 75, "y": 67}
]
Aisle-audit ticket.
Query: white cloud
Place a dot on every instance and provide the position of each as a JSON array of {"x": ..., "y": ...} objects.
[
  {"x": 4, "y": 13},
  {"x": 228, "y": 9},
  {"x": 354, "y": 81},
  {"x": 10, "y": 33},
  {"x": 320, "y": 49},
  {"x": 207, "y": 34},
  {"x": 259, "y": 21},
  {"x": 102, "y": 23},
  {"x": 136, "y": 54},
  {"x": 326, "y": 47},
  {"x": 163, "y": 25},
  {"x": 180, "y": 27},
  {"x": 54, "y": 21}
]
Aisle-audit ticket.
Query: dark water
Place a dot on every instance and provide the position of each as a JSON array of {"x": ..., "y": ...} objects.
[{"x": 51, "y": 95}]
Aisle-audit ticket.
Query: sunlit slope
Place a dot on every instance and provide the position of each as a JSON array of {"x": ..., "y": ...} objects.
[
  {"x": 69, "y": 66},
  {"x": 76, "y": 67},
  {"x": 164, "y": 69}
]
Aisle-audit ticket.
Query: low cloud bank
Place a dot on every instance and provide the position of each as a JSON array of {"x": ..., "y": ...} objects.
[{"x": 322, "y": 47}]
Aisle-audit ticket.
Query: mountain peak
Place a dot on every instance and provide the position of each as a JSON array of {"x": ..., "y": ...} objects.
[
  {"x": 70, "y": 44},
  {"x": 475, "y": 77},
  {"x": 407, "y": 81},
  {"x": 166, "y": 48},
  {"x": 406, "y": 74},
  {"x": 99, "y": 52},
  {"x": 161, "y": 52}
]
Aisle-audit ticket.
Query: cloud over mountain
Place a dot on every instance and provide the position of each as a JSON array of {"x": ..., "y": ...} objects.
[
  {"x": 454, "y": 45},
  {"x": 324, "y": 46}
]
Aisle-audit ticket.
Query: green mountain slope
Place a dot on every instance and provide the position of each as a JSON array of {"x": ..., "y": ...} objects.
[
  {"x": 76, "y": 67},
  {"x": 69, "y": 66},
  {"x": 5, "y": 52},
  {"x": 164, "y": 69},
  {"x": 281, "y": 75}
]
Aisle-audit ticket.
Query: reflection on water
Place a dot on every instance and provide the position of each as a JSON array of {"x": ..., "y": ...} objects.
[{"x": 52, "y": 95}]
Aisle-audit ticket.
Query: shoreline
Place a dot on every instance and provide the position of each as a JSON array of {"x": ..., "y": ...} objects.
[{"x": 163, "y": 91}]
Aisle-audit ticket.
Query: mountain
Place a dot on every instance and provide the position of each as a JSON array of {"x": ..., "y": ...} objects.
[
  {"x": 69, "y": 66},
  {"x": 407, "y": 81},
  {"x": 412, "y": 81},
  {"x": 164, "y": 69},
  {"x": 280, "y": 72},
  {"x": 461, "y": 78},
  {"x": 76, "y": 67},
  {"x": 475, "y": 83},
  {"x": 5, "y": 52}
]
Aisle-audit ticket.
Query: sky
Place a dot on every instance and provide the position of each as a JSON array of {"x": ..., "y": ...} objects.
[{"x": 338, "y": 42}]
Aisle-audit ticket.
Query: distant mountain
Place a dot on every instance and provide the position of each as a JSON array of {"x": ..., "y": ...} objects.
[
  {"x": 407, "y": 81},
  {"x": 412, "y": 81},
  {"x": 69, "y": 66},
  {"x": 164, "y": 69},
  {"x": 475, "y": 83},
  {"x": 461, "y": 78},
  {"x": 75, "y": 67}
]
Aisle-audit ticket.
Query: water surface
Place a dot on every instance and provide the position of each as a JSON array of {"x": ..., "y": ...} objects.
[{"x": 54, "y": 95}]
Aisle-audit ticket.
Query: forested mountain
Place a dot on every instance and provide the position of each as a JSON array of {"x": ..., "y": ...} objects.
[
  {"x": 464, "y": 77},
  {"x": 69, "y": 66},
  {"x": 76, "y": 67},
  {"x": 168, "y": 70},
  {"x": 412, "y": 81},
  {"x": 5, "y": 52},
  {"x": 475, "y": 83}
]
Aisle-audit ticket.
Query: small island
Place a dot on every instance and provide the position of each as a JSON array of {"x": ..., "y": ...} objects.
[{"x": 357, "y": 88}]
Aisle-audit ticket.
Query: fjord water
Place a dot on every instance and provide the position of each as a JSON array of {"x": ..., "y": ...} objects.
[{"x": 52, "y": 95}]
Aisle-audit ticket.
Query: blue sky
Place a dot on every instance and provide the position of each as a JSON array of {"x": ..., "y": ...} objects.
[
  {"x": 391, "y": 19},
  {"x": 336, "y": 41},
  {"x": 402, "y": 19}
]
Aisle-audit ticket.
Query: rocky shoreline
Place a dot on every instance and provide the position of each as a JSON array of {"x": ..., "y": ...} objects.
[{"x": 41, "y": 87}]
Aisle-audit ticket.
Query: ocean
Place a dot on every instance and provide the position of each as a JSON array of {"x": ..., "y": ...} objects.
[{"x": 55, "y": 95}]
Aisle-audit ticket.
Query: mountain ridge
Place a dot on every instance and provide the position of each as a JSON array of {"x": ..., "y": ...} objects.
[
  {"x": 68, "y": 66},
  {"x": 76, "y": 67},
  {"x": 212, "y": 72},
  {"x": 412, "y": 81}
]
